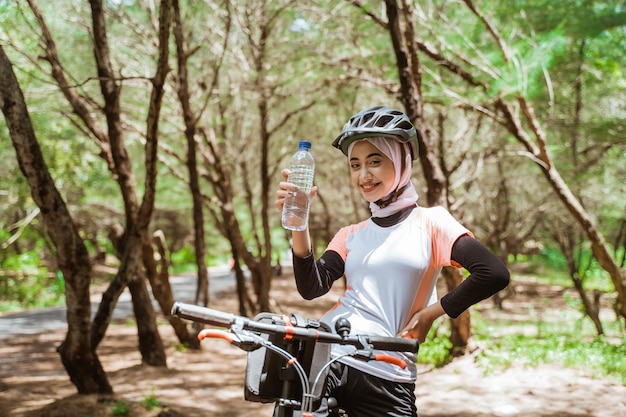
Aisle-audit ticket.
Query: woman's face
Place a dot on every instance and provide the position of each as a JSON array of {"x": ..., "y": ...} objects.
[{"x": 371, "y": 171}]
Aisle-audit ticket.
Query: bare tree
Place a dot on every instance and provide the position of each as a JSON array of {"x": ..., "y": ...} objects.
[
  {"x": 138, "y": 216},
  {"x": 569, "y": 241},
  {"x": 538, "y": 150},
  {"x": 235, "y": 149},
  {"x": 78, "y": 354},
  {"x": 190, "y": 119},
  {"x": 400, "y": 27},
  {"x": 114, "y": 151},
  {"x": 519, "y": 119}
]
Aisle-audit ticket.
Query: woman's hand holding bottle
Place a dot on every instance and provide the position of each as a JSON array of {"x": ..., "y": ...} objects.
[{"x": 301, "y": 244}]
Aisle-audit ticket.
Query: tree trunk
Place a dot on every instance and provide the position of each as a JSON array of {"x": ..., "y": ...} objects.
[
  {"x": 190, "y": 119},
  {"x": 150, "y": 343},
  {"x": 138, "y": 217},
  {"x": 460, "y": 327},
  {"x": 103, "y": 315},
  {"x": 77, "y": 353},
  {"x": 83, "y": 366},
  {"x": 246, "y": 304},
  {"x": 592, "y": 310},
  {"x": 159, "y": 279},
  {"x": 410, "y": 73}
]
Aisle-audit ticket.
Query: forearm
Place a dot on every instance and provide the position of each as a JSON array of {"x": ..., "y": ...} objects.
[
  {"x": 488, "y": 275},
  {"x": 315, "y": 278},
  {"x": 421, "y": 322},
  {"x": 301, "y": 243}
]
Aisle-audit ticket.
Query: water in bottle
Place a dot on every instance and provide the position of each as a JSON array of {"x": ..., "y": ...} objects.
[{"x": 302, "y": 166}]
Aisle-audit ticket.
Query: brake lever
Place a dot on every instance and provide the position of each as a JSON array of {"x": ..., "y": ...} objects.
[{"x": 242, "y": 339}]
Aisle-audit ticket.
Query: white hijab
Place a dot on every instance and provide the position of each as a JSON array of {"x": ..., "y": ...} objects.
[{"x": 392, "y": 150}]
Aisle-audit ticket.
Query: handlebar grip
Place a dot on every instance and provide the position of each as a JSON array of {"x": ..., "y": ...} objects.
[
  {"x": 395, "y": 344},
  {"x": 390, "y": 359},
  {"x": 221, "y": 334},
  {"x": 203, "y": 314}
]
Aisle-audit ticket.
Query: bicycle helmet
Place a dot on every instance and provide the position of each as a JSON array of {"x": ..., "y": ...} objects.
[{"x": 378, "y": 121}]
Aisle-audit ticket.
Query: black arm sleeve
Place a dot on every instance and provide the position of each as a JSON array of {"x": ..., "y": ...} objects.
[
  {"x": 488, "y": 275},
  {"x": 315, "y": 278}
]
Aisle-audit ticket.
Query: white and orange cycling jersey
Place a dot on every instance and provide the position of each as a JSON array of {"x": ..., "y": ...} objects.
[{"x": 391, "y": 273}]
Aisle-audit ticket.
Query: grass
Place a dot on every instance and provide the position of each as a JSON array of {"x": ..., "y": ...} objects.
[
  {"x": 600, "y": 356},
  {"x": 151, "y": 402},
  {"x": 123, "y": 408},
  {"x": 542, "y": 328},
  {"x": 120, "y": 408},
  {"x": 552, "y": 343}
]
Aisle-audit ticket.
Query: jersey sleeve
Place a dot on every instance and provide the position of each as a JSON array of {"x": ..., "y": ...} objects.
[
  {"x": 339, "y": 241},
  {"x": 444, "y": 230},
  {"x": 488, "y": 275},
  {"x": 315, "y": 278}
]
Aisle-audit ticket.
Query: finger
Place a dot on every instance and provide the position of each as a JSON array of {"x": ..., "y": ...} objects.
[
  {"x": 281, "y": 196},
  {"x": 283, "y": 192},
  {"x": 284, "y": 185},
  {"x": 280, "y": 203}
]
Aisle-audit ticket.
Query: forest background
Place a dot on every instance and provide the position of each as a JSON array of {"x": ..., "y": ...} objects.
[{"x": 150, "y": 138}]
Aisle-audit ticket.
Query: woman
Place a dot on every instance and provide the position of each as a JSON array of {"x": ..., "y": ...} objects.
[{"x": 391, "y": 262}]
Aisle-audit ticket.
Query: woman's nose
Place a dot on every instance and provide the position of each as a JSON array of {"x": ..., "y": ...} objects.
[{"x": 365, "y": 174}]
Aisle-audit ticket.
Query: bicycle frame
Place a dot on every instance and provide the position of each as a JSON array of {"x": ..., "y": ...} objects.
[{"x": 245, "y": 334}]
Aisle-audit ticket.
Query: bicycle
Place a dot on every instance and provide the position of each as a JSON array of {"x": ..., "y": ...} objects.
[{"x": 296, "y": 340}]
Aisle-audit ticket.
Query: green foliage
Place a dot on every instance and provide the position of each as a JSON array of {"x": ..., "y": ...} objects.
[
  {"x": 586, "y": 18},
  {"x": 184, "y": 260},
  {"x": 600, "y": 355},
  {"x": 151, "y": 402},
  {"x": 526, "y": 71},
  {"x": 559, "y": 336},
  {"x": 554, "y": 270},
  {"x": 436, "y": 350},
  {"x": 120, "y": 408},
  {"x": 180, "y": 347},
  {"x": 26, "y": 282}
]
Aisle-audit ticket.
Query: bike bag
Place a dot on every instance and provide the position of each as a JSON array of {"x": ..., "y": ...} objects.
[{"x": 267, "y": 371}]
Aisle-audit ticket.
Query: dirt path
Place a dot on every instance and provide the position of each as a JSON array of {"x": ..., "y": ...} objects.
[{"x": 33, "y": 382}]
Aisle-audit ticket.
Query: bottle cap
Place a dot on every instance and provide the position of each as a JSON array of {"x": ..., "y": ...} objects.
[{"x": 304, "y": 144}]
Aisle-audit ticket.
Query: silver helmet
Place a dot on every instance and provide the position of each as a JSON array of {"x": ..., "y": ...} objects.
[{"x": 378, "y": 121}]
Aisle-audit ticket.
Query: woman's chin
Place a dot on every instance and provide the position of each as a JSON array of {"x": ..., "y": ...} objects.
[
  {"x": 372, "y": 196},
  {"x": 369, "y": 197}
]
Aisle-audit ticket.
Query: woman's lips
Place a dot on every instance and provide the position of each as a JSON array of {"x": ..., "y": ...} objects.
[{"x": 369, "y": 187}]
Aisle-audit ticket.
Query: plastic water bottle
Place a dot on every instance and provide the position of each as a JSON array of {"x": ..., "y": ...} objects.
[{"x": 302, "y": 166}]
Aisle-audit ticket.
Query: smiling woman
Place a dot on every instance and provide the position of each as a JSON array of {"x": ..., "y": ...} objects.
[
  {"x": 378, "y": 168},
  {"x": 371, "y": 171},
  {"x": 391, "y": 263}
]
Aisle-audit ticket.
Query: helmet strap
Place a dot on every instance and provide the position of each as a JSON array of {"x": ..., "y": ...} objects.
[{"x": 393, "y": 197}]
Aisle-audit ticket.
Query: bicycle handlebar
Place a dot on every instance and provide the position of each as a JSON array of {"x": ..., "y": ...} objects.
[
  {"x": 222, "y": 319},
  {"x": 244, "y": 333},
  {"x": 203, "y": 314}
]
